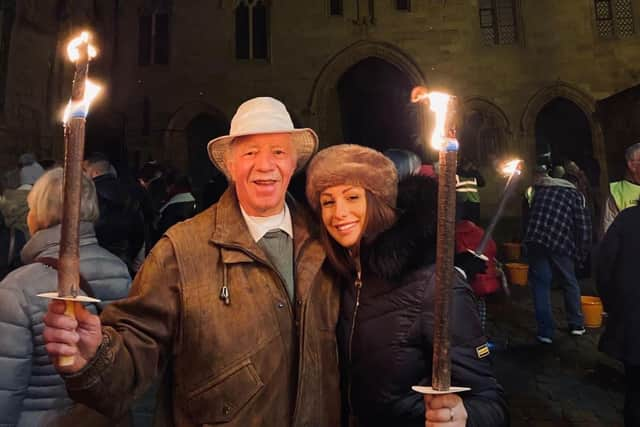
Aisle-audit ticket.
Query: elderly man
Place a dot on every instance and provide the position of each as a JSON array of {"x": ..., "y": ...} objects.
[
  {"x": 624, "y": 193},
  {"x": 234, "y": 301}
]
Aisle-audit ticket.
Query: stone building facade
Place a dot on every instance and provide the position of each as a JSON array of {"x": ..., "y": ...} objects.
[{"x": 174, "y": 71}]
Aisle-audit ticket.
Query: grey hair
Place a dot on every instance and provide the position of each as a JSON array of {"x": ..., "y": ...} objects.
[
  {"x": 631, "y": 151},
  {"x": 45, "y": 199}
]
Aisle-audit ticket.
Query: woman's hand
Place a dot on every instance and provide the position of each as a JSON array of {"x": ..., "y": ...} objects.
[{"x": 445, "y": 410}]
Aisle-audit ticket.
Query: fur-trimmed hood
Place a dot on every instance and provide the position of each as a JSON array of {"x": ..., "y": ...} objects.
[{"x": 411, "y": 241}]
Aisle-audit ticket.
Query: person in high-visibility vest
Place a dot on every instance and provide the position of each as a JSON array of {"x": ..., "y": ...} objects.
[
  {"x": 625, "y": 193},
  {"x": 468, "y": 180}
]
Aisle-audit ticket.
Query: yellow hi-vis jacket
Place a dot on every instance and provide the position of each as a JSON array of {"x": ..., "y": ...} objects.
[{"x": 469, "y": 187}]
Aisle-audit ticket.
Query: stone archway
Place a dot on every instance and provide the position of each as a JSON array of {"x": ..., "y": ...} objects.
[
  {"x": 374, "y": 106},
  {"x": 185, "y": 141},
  {"x": 324, "y": 106},
  {"x": 486, "y": 141},
  {"x": 583, "y": 101},
  {"x": 176, "y": 138},
  {"x": 490, "y": 131}
]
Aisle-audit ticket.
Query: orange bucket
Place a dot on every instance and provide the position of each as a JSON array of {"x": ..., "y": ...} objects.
[
  {"x": 512, "y": 251},
  {"x": 517, "y": 273},
  {"x": 592, "y": 311}
]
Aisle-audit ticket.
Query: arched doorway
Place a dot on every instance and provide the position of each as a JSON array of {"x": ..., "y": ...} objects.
[
  {"x": 563, "y": 130},
  {"x": 585, "y": 104},
  {"x": 375, "y": 107},
  {"x": 323, "y": 112},
  {"x": 484, "y": 132},
  {"x": 208, "y": 182}
]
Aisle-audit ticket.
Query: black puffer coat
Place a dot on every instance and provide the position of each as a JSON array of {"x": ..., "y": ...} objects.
[
  {"x": 617, "y": 283},
  {"x": 391, "y": 347}
]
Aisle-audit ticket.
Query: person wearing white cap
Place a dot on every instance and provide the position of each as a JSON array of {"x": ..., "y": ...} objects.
[{"x": 235, "y": 301}]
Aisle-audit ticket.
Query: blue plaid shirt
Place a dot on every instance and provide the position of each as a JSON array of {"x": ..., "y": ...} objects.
[{"x": 559, "y": 221}]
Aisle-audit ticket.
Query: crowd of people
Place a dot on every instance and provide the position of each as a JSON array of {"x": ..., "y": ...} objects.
[{"x": 261, "y": 310}]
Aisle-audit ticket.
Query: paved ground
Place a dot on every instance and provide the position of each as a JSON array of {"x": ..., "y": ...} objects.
[{"x": 567, "y": 383}]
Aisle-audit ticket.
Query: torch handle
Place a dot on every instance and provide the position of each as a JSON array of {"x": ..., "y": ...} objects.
[
  {"x": 69, "y": 310},
  {"x": 441, "y": 374}
]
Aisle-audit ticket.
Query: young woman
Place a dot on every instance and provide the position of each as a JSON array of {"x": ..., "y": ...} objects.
[{"x": 380, "y": 239}]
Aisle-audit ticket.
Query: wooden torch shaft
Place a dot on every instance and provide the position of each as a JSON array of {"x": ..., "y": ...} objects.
[
  {"x": 69, "y": 259},
  {"x": 441, "y": 374}
]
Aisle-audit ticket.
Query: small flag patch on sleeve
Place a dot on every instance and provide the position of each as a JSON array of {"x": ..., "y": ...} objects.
[{"x": 482, "y": 351}]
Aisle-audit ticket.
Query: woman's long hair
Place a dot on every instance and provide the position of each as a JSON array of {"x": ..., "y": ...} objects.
[{"x": 379, "y": 217}]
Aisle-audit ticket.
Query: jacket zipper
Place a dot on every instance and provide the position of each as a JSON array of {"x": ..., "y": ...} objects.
[
  {"x": 267, "y": 264},
  {"x": 291, "y": 309},
  {"x": 358, "y": 286}
]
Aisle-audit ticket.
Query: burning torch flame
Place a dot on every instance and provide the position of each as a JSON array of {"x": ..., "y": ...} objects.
[
  {"x": 72, "y": 48},
  {"x": 512, "y": 167},
  {"x": 91, "y": 90},
  {"x": 438, "y": 103}
]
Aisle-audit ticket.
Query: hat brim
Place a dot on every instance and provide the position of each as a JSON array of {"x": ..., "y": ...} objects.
[{"x": 305, "y": 141}]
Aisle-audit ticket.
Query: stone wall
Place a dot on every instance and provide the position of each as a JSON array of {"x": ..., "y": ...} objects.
[{"x": 437, "y": 43}]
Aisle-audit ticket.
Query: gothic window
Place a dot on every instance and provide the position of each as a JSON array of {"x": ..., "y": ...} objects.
[
  {"x": 252, "y": 29},
  {"x": 481, "y": 137},
  {"x": 403, "y": 5},
  {"x": 153, "y": 35},
  {"x": 335, "y": 8},
  {"x": 7, "y": 15},
  {"x": 614, "y": 18},
  {"x": 498, "y": 21}
]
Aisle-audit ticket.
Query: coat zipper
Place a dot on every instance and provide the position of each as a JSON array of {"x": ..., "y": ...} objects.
[
  {"x": 283, "y": 287},
  {"x": 358, "y": 286},
  {"x": 291, "y": 308}
]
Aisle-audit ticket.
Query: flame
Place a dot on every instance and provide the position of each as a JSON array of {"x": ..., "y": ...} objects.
[
  {"x": 512, "y": 167},
  {"x": 419, "y": 94},
  {"x": 438, "y": 103},
  {"x": 91, "y": 91},
  {"x": 73, "y": 48}
]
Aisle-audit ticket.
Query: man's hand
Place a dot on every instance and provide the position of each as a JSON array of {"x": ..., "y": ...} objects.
[
  {"x": 445, "y": 410},
  {"x": 66, "y": 336}
]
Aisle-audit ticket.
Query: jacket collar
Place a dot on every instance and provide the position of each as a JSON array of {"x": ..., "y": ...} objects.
[
  {"x": 410, "y": 242},
  {"x": 548, "y": 181},
  {"x": 47, "y": 242},
  {"x": 231, "y": 233},
  {"x": 178, "y": 198}
]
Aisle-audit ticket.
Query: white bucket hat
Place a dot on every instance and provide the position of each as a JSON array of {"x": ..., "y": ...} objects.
[{"x": 262, "y": 116}]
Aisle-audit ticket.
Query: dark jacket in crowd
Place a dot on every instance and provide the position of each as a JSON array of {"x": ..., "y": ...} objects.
[
  {"x": 11, "y": 242},
  {"x": 617, "y": 283},
  {"x": 180, "y": 207},
  {"x": 392, "y": 343},
  {"x": 120, "y": 228},
  {"x": 31, "y": 391}
]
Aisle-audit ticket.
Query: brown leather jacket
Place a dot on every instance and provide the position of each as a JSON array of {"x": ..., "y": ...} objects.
[{"x": 258, "y": 361}]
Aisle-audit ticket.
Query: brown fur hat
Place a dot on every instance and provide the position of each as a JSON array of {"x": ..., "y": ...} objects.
[{"x": 352, "y": 164}]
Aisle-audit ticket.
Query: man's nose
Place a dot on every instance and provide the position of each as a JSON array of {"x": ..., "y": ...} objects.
[{"x": 264, "y": 160}]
